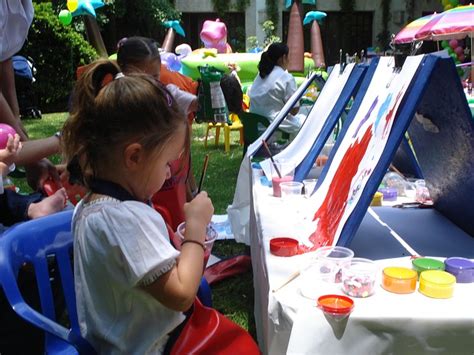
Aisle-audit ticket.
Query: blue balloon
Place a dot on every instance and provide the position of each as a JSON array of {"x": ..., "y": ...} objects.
[{"x": 171, "y": 60}]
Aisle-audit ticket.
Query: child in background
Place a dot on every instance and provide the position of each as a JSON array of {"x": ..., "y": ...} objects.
[
  {"x": 131, "y": 284},
  {"x": 15, "y": 207},
  {"x": 141, "y": 55}
]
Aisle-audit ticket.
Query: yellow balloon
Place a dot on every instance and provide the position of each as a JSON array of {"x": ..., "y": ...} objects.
[
  {"x": 448, "y": 7},
  {"x": 72, "y": 5}
]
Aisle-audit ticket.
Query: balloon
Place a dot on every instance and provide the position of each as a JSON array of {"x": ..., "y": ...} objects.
[
  {"x": 448, "y": 7},
  {"x": 454, "y": 56},
  {"x": 445, "y": 2},
  {"x": 453, "y": 43},
  {"x": 459, "y": 50},
  {"x": 444, "y": 44},
  {"x": 65, "y": 17},
  {"x": 461, "y": 57},
  {"x": 450, "y": 50},
  {"x": 72, "y": 5},
  {"x": 5, "y": 130},
  {"x": 171, "y": 60}
]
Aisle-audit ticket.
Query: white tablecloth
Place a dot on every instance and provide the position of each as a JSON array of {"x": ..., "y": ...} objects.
[{"x": 288, "y": 322}]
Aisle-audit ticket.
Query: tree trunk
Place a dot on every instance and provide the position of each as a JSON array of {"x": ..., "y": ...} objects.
[
  {"x": 317, "y": 51},
  {"x": 168, "y": 42},
  {"x": 295, "y": 38}
]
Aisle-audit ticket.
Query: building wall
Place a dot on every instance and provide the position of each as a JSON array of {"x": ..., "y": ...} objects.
[{"x": 255, "y": 14}]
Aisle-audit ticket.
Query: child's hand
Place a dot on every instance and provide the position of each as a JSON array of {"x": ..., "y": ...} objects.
[
  {"x": 198, "y": 214},
  {"x": 9, "y": 155}
]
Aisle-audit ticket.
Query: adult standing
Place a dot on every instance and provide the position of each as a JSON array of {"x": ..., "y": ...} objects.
[{"x": 15, "y": 21}]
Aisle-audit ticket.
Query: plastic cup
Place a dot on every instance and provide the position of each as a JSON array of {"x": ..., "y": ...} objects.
[
  {"x": 336, "y": 307},
  {"x": 291, "y": 189},
  {"x": 211, "y": 236},
  {"x": 282, "y": 171},
  {"x": 331, "y": 260},
  {"x": 309, "y": 186},
  {"x": 422, "y": 194},
  {"x": 358, "y": 278}
]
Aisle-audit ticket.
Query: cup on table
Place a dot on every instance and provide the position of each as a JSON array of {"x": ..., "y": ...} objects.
[
  {"x": 330, "y": 261},
  {"x": 291, "y": 189},
  {"x": 422, "y": 194},
  {"x": 309, "y": 185},
  {"x": 211, "y": 236},
  {"x": 282, "y": 171}
]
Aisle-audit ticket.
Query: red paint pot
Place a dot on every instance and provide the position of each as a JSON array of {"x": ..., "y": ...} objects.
[
  {"x": 337, "y": 306},
  {"x": 284, "y": 246}
]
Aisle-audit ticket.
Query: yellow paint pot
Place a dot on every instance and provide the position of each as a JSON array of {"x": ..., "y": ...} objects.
[
  {"x": 377, "y": 199},
  {"x": 399, "y": 279},
  {"x": 437, "y": 284}
]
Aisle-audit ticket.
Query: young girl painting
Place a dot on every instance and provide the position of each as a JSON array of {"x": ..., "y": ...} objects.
[{"x": 131, "y": 284}]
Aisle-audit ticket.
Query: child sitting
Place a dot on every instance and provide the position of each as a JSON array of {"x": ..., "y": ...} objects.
[
  {"x": 15, "y": 207},
  {"x": 131, "y": 284}
]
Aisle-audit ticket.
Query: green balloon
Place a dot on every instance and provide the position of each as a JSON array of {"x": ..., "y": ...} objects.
[
  {"x": 444, "y": 44},
  {"x": 65, "y": 17}
]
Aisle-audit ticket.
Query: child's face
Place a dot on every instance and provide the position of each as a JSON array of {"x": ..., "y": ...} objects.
[
  {"x": 151, "y": 67},
  {"x": 158, "y": 169}
]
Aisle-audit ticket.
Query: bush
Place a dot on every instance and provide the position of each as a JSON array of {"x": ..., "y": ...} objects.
[{"x": 57, "y": 51}]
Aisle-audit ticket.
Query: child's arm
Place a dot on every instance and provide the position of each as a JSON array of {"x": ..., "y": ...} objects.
[{"x": 177, "y": 288}]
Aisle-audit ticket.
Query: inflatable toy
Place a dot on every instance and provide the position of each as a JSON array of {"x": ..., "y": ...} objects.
[
  {"x": 5, "y": 130},
  {"x": 171, "y": 60},
  {"x": 317, "y": 52},
  {"x": 77, "y": 8},
  {"x": 214, "y": 35},
  {"x": 172, "y": 26}
]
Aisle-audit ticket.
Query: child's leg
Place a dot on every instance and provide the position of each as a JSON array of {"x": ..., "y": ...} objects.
[
  {"x": 14, "y": 207},
  {"x": 49, "y": 205}
]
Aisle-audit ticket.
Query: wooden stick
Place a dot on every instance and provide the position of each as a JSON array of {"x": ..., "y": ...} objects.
[
  {"x": 204, "y": 169},
  {"x": 271, "y": 157},
  {"x": 291, "y": 278}
]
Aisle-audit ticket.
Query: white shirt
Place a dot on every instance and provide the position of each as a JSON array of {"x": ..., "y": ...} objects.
[
  {"x": 119, "y": 246},
  {"x": 269, "y": 95},
  {"x": 182, "y": 98},
  {"x": 15, "y": 21}
]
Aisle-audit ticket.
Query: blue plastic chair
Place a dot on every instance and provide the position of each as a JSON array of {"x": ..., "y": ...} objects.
[{"x": 36, "y": 242}]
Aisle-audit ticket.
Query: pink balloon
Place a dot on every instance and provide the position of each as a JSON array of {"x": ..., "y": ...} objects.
[
  {"x": 453, "y": 43},
  {"x": 461, "y": 57},
  {"x": 459, "y": 50},
  {"x": 5, "y": 130}
]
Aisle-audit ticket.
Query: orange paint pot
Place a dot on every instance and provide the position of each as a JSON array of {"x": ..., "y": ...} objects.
[
  {"x": 399, "y": 279},
  {"x": 337, "y": 306}
]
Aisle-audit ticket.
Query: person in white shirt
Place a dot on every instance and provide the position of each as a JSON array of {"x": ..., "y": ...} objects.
[{"x": 273, "y": 87}]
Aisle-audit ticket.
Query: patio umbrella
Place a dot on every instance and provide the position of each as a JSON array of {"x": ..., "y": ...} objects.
[
  {"x": 407, "y": 33},
  {"x": 455, "y": 23}
]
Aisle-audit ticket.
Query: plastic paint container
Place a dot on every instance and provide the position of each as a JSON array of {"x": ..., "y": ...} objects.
[
  {"x": 336, "y": 306},
  {"x": 424, "y": 264},
  {"x": 399, "y": 279},
  {"x": 358, "y": 278},
  {"x": 330, "y": 261},
  {"x": 437, "y": 284},
  {"x": 389, "y": 193},
  {"x": 377, "y": 199},
  {"x": 461, "y": 268},
  {"x": 284, "y": 246}
]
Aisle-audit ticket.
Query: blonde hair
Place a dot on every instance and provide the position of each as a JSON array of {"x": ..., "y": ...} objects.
[{"x": 106, "y": 115}]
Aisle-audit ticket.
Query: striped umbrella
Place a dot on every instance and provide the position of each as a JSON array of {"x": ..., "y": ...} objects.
[
  {"x": 407, "y": 34},
  {"x": 455, "y": 23}
]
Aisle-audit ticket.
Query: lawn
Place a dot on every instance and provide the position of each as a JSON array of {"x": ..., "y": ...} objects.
[{"x": 234, "y": 296}]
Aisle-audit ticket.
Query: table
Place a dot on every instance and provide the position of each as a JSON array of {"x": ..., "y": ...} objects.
[{"x": 288, "y": 322}]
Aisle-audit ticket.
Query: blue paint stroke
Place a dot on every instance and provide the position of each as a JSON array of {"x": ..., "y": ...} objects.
[{"x": 366, "y": 116}]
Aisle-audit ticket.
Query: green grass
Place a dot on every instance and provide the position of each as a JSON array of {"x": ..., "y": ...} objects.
[{"x": 234, "y": 296}]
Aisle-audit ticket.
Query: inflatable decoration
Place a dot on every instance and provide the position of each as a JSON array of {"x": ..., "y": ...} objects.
[
  {"x": 295, "y": 39},
  {"x": 183, "y": 50},
  {"x": 77, "y": 8},
  {"x": 5, "y": 130},
  {"x": 214, "y": 35},
  {"x": 171, "y": 60},
  {"x": 317, "y": 52},
  {"x": 172, "y": 26}
]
